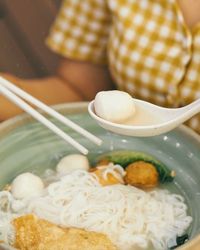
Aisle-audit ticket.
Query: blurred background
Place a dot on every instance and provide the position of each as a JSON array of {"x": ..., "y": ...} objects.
[{"x": 24, "y": 25}]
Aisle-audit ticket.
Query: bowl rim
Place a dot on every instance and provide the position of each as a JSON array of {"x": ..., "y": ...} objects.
[
  {"x": 74, "y": 107},
  {"x": 78, "y": 107},
  {"x": 21, "y": 119}
]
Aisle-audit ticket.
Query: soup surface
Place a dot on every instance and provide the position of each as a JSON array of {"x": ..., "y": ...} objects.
[
  {"x": 143, "y": 117},
  {"x": 121, "y": 199}
]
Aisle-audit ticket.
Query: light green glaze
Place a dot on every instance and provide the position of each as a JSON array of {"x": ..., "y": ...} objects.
[{"x": 26, "y": 145}]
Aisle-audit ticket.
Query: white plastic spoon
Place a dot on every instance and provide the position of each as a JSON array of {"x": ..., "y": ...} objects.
[{"x": 163, "y": 119}]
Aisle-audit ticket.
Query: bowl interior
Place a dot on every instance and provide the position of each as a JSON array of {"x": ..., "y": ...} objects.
[{"x": 26, "y": 145}]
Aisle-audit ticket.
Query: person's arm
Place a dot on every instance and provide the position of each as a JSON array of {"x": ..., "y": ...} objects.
[{"x": 74, "y": 81}]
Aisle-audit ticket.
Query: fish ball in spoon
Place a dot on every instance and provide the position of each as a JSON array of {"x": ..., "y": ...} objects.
[{"x": 115, "y": 106}]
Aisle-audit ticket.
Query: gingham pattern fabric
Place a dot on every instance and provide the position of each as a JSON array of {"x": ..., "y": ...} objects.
[{"x": 150, "y": 50}]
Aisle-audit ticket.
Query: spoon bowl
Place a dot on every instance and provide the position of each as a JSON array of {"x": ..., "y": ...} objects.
[{"x": 164, "y": 119}]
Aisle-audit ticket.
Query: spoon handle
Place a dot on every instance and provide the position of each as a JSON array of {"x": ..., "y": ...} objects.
[
  {"x": 193, "y": 106},
  {"x": 191, "y": 109}
]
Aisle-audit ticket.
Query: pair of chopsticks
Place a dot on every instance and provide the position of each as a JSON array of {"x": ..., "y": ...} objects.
[{"x": 13, "y": 93}]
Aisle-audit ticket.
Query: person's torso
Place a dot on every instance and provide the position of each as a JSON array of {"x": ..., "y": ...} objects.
[{"x": 152, "y": 53}]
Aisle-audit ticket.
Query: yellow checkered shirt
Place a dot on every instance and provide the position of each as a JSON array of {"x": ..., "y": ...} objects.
[{"x": 150, "y": 51}]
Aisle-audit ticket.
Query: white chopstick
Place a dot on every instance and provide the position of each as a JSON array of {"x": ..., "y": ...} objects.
[
  {"x": 13, "y": 92},
  {"x": 49, "y": 110},
  {"x": 27, "y": 108}
]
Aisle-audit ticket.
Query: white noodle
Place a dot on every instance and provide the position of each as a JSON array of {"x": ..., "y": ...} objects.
[{"x": 129, "y": 216}]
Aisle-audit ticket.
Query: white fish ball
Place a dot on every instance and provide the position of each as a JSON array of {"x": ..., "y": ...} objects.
[
  {"x": 72, "y": 162},
  {"x": 26, "y": 185},
  {"x": 115, "y": 106}
]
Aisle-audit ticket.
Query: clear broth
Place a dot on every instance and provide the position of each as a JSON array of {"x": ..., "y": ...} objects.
[{"x": 142, "y": 117}]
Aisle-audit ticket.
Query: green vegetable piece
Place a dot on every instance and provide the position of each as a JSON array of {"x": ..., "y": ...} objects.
[{"x": 124, "y": 158}]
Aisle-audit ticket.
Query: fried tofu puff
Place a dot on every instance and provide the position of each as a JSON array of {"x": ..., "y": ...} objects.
[
  {"x": 109, "y": 174},
  {"x": 141, "y": 174},
  {"x": 33, "y": 233}
]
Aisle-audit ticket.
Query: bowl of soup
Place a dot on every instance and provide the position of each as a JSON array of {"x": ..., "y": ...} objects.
[{"x": 129, "y": 193}]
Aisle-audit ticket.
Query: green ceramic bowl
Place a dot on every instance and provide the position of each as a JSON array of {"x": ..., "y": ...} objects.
[{"x": 26, "y": 145}]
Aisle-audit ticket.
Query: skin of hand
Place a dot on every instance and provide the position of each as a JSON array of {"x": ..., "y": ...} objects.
[
  {"x": 74, "y": 81},
  {"x": 190, "y": 10}
]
